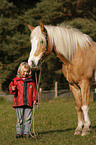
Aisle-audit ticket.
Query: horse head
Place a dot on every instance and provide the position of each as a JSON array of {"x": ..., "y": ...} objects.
[{"x": 40, "y": 44}]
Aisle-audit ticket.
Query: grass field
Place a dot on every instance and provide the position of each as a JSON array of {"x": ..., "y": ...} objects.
[{"x": 55, "y": 123}]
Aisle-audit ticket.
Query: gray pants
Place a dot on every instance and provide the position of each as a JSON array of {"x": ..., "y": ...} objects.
[{"x": 25, "y": 113}]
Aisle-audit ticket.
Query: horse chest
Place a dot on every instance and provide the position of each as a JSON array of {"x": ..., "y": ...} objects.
[{"x": 70, "y": 74}]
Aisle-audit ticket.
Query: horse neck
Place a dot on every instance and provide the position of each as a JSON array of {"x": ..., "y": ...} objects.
[{"x": 61, "y": 57}]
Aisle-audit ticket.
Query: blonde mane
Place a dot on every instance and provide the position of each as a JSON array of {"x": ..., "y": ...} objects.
[{"x": 66, "y": 39}]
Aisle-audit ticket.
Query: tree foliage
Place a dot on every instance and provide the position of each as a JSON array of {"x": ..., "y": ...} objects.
[{"x": 14, "y": 33}]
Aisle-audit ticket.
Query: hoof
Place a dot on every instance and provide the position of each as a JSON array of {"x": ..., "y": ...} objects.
[
  {"x": 85, "y": 132},
  {"x": 77, "y": 132}
]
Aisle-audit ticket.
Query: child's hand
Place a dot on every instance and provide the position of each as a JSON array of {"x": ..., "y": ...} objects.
[
  {"x": 13, "y": 88},
  {"x": 35, "y": 103}
]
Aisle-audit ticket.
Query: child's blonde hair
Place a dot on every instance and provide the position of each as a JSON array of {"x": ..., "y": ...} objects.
[{"x": 23, "y": 65}]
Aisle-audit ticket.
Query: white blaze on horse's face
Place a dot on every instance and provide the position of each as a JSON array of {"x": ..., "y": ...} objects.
[{"x": 37, "y": 50}]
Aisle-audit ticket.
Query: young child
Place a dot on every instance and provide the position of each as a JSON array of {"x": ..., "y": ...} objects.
[{"x": 24, "y": 90}]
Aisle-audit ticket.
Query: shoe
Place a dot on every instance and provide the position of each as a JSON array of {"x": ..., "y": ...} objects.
[
  {"x": 19, "y": 135},
  {"x": 26, "y": 136}
]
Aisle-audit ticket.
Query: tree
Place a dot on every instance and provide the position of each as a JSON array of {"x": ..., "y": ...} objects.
[
  {"x": 14, "y": 34},
  {"x": 14, "y": 42}
]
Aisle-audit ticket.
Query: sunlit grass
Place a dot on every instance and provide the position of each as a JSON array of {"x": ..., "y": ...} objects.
[{"x": 55, "y": 123}]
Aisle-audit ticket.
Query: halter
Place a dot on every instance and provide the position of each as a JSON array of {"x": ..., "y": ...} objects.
[{"x": 46, "y": 48}]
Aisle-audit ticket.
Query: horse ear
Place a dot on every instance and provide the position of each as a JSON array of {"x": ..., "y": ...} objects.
[
  {"x": 31, "y": 27},
  {"x": 41, "y": 26},
  {"x": 43, "y": 29}
]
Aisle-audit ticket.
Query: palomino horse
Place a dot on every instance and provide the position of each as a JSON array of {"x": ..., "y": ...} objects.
[{"x": 77, "y": 51}]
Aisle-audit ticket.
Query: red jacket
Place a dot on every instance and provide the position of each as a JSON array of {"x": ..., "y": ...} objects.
[{"x": 25, "y": 92}]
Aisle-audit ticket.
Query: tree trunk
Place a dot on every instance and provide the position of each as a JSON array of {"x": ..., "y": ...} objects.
[{"x": 1, "y": 87}]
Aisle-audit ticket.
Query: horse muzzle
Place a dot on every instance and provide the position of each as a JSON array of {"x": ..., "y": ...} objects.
[{"x": 34, "y": 66}]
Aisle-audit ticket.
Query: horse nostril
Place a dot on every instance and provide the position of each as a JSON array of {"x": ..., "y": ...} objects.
[
  {"x": 39, "y": 62},
  {"x": 32, "y": 63}
]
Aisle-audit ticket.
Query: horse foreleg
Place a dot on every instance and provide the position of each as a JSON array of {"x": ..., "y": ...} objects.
[
  {"x": 77, "y": 95},
  {"x": 85, "y": 90}
]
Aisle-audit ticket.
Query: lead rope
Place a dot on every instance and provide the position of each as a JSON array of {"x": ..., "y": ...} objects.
[{"x": 37, "y": 86}]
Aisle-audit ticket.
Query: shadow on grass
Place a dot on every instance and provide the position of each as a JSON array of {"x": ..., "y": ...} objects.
[
  {"x": 39, "y": 134},
  {"x": 58, "y": 131}
]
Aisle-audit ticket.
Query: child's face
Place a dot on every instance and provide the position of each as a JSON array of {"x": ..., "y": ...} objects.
[{"x": 25, "y": 72}]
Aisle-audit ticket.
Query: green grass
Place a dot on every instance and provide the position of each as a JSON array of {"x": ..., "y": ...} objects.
[{"x": 55, "y": 123}]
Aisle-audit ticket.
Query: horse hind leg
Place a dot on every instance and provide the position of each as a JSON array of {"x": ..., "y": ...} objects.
[
  {"x": 77, "y": 95},
  {"x": 85, "y": 90}
]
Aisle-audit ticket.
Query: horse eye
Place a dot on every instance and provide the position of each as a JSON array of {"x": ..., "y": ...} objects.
[{"x": 41, "y": 42}]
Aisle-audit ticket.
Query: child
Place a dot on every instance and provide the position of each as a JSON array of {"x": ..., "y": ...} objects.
[{"x": 24, "y": 90}]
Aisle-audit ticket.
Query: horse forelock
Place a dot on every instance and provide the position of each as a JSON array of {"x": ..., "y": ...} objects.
[{"x": 37, "y": 33}]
